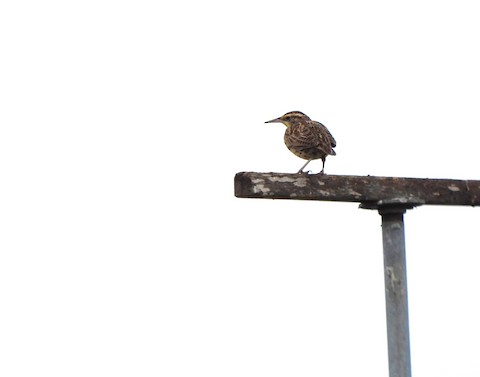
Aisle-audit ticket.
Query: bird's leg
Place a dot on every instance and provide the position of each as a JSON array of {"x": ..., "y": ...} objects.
[
  {"x": 323, "y": 166},
  {"x": 303, "y": 167}
]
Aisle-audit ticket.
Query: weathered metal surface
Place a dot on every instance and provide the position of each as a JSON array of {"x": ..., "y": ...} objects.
[
  {"x": 395, "y": 271},
  {"x": 369, "y": 190},
  {"x": 392, "y": 197}
]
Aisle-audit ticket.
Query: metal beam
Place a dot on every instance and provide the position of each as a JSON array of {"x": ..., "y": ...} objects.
[
  {"x": 369, "y": 190},
  {"x": 391, "y": 196}
]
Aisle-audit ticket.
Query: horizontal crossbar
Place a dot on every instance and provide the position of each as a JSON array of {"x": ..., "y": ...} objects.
[{"x": 369, "y": 190}]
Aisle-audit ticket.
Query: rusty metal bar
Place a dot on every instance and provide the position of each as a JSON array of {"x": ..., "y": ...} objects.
[{"x": 363, "y": 189}]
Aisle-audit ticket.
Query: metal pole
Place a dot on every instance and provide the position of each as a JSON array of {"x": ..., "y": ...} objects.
[{"x": 396, "y": 290}]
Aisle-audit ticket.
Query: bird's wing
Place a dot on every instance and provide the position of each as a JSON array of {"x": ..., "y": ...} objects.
[
  {"x": 308, "y": 135},
  {"x": 327, "y": 133}
]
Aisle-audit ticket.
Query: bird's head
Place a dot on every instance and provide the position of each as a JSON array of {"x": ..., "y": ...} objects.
[{"x": 291, "y": 118}]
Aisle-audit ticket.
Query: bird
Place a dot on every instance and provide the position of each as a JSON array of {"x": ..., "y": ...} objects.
[{"x": 306, "y": 138}]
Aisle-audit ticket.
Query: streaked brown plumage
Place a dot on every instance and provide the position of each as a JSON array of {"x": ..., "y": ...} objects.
[{"x": 306, "y": 138}]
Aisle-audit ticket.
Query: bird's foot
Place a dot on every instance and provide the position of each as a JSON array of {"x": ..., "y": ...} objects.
[
  {"x": 321, "y": 172},
  {"x": 304, "y": 172}
]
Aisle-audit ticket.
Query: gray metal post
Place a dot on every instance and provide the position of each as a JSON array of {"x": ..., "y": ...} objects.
[{"x": 396, "y": 290}]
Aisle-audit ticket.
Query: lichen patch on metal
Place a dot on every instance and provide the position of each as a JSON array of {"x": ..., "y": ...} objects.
[
  {"x": 300, "y": 182},
  {"x": 282, "y": 179},
  {"x": 259, "y": 186}
]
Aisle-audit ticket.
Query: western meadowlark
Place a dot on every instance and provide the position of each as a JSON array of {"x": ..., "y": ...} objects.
[{"x": 306, "y": 138}]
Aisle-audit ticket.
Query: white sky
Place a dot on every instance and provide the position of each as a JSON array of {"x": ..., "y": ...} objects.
[{"x": 125, "y": 253}]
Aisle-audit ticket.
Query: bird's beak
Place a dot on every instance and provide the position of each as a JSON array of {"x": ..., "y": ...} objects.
[{"x": 276, "y": 120}]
